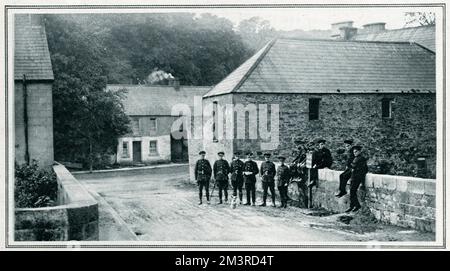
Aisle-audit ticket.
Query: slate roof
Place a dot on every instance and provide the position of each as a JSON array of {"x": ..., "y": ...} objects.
[
  {"x": 423, "y": 35},
  {"x": 31, "y": 54},
  {"x": 148, "y": 100},
  {"x": 326, "y": 66}
]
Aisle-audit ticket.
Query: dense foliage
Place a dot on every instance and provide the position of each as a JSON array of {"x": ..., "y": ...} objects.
[
  {"x": 197, "y": 50},
  {"x": 34, "y": 186},
  {"x": 87, "y": 119}
]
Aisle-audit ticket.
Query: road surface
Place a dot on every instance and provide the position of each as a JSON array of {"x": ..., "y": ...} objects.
[{"x": 163, "y": 206}]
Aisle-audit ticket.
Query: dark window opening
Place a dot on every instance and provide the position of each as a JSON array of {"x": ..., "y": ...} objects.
[
  {"x": 214, "y": 122},
  {"x": 314, "y": 108},
  {"x": 152, "y": 125},
  {"x": 386, "y": 109}
]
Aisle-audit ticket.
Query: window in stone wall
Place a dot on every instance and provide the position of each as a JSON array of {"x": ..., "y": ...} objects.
[
  {"x": 215, "y": 116},
  {"x": 135, "y": 125},
  {"x": 125, "y": 150},
  {"x": 314, "y": 108},
  {"x": 386, "y": 108},
  {"x": 152, "y": 125},
  {"x": 153, "y": 148}
]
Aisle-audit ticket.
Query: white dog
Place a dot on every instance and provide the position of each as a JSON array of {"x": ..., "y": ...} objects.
[{"x": 233, "y": 202}]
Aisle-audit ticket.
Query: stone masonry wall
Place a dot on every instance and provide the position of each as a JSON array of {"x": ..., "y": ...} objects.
[
  {"x": 40, "y": 123},
  {"x": 75, "y": 218},
  {"x": 212, "y": 147},
  {"x": 397, "y": 141},
  {"x": 397, "y": 200}
]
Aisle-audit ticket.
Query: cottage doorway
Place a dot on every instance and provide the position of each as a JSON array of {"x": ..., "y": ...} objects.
[
  {"x": 137, "y": 157},
  {"x": 179, "y": 150}
]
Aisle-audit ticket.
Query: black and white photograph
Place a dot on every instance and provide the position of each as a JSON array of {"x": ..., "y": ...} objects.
[{"x": 224, "y": 125}]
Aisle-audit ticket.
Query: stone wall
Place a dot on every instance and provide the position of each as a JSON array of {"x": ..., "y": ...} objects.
[
  {"x": 207, "y": 142},
  {"x": 40, "y": 123},
  {"x": 397, "y": 200},
  {"x": 400, "y": 140},
  {"x": 75, "y": 218}
]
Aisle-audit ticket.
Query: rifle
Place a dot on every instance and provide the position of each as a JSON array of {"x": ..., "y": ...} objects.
[{"x": 214, "y": 186}]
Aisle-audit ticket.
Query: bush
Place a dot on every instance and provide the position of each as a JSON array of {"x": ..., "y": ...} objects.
[{"x": 34, "y": 187}]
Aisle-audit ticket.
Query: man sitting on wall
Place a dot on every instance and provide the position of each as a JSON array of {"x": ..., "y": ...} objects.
[
  {"x": 321, "y": 159},
  {"x": 345, "y": 176},
  {"x": 359, "y": 170}
]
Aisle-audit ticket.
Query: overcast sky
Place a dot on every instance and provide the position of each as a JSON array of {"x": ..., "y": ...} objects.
[{"x": 317, "y": 18}]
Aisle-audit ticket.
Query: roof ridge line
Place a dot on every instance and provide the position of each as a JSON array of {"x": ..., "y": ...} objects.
[
  {"x": 254, "y": 65},
  {"x": 337, "y": 41}
]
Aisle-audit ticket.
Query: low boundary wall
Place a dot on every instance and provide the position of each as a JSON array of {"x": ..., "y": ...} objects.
[{"x": 74, "y": 218}]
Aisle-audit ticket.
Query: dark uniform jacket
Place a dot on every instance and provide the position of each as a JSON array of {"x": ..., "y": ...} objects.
[
  {"x": 221, "y": 169},
  {"x": 359, "y": 167},
  {"x": 322, "y": 158},
  {"x": 252, "y": 167},
  {"x": 237, "y": 167},
  {"x": 203, "y": 170},
  {"x": 283, "y": 175},
  {"x": 268, "y": 171},
  {"x": 350, "y": 158}
]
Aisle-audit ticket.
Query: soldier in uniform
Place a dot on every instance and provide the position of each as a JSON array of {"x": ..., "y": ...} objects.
[
  {"x": 345, "y": 176},
  {"x": 237, "y": 179},
  {"x": 268, "y": 172},
  {"x": 359, "y": 170},
  {"x": 221, "y": 169},
  {"x": 250, "y": 171},
  {"x": 283, "y": 177},
  {"x": 203, "y": 175},
  {"x": 321, "y": 159},
  {"x": 297, "y": 166}
]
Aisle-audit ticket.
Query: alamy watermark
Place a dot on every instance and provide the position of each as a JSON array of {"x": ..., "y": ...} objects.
[{"x": 214, "y": 121}]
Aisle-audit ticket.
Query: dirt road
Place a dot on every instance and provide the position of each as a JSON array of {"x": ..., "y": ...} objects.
[{"x": 162, "y": 206}]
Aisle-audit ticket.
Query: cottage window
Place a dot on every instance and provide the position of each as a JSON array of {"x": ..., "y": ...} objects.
[
  {"x": 386, "y": 108},
  {"x": 152, "y": 125},
  {"x": 135, "y": 125},
  {"x": 125, "y": 150},
  {"x": 314, "y": 108},
  {"x": 153, "y": 149}
]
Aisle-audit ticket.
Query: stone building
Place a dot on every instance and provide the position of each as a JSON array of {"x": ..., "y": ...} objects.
[
  {"x": 33, "y": 78},
  {"x": 381, "y": 94},
  {"x": 150, "y": 110},
  {"x": 423, "y": 35}
]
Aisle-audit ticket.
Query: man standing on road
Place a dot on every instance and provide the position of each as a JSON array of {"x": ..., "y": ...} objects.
[
  {"x": 237, "y": 179},
  {"x": 250, "y": 171},
  {"x": 359, "y": 170},
  {"x": 345, "y": 176},
  {"x": 268, "y": 172},
  {"x": 283, "y": 177},
  {"x": 203, "y": 175},
  {"x": 221, "y": 169}
]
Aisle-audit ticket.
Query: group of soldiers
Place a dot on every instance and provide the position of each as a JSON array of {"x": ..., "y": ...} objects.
[{"x": 244, "y": 173}]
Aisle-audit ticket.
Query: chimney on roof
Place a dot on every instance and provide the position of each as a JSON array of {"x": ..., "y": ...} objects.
[
  {"x": 175, "y": 83},
  {"x": 335, "y": 28},
  {"x": 347, "y": 33},
  {"x": 374, "y": 28}
]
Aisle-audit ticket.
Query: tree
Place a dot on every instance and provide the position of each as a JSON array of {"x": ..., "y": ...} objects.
[
  {"x": 87, "y": 119},
  {"x": 420, "y": 18},
  {"x": 198, "y": 50},
  {"x": 256, "y": 32}
]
